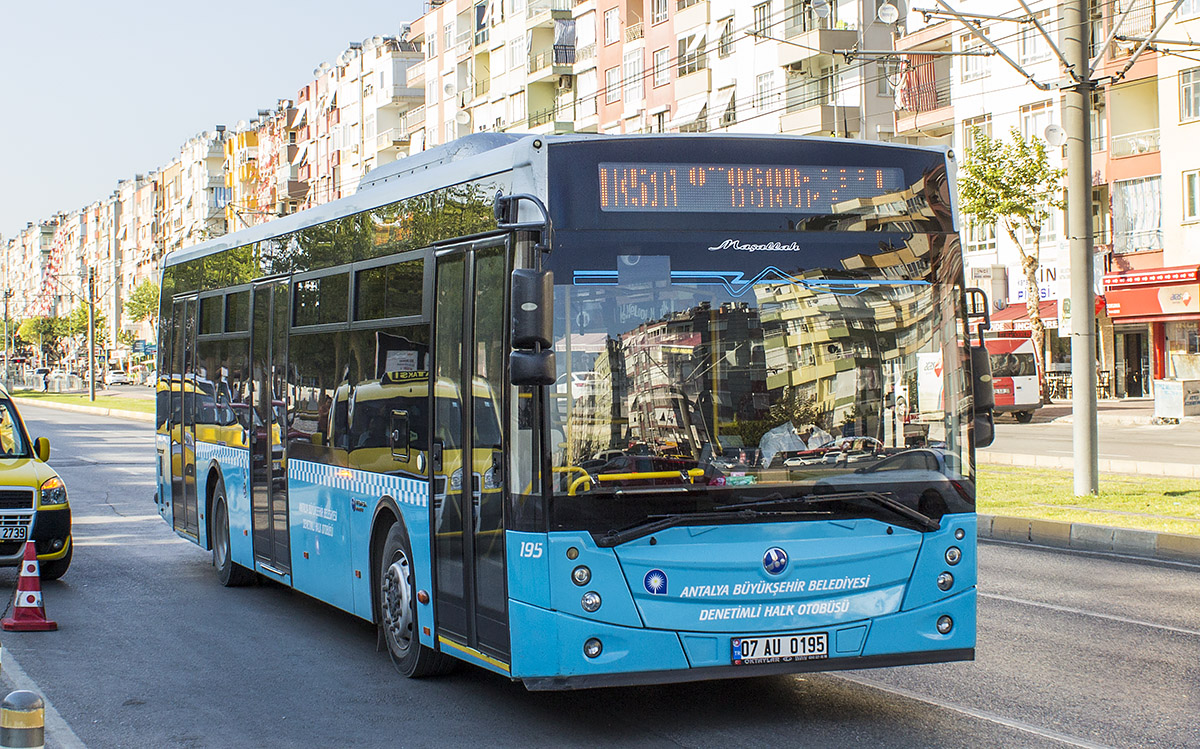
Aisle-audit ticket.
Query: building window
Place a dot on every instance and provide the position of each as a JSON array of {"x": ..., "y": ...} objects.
[
  {"x": 973, "y": 67},
  {"x": 1189, "y": 94},
  {"x": 681, "y": 4},
  {"x": 762, "y": 21},
  {"x": 516, "y": 54},
  {"x": 765, "y": 95},
  {"x": 1191, "y": 196},
  {"x": 973, "y": 127},
  {"x": 691, "y": 55},
  {"x": 634, "y": 70},
  {"x": 1188, "y": 9},
  {"x": 981, "y": 237},
  {"x": 658, "y": 11},
  {"x": 1035, "y": 118},
  {"x": 729, "y": 116},
  {"x": 612, "y": 85},
  {"x": 431, "y": 48},
  {"x": 1099, "y": 122},
  {"x": 1033, "y": 44},
  {"x": 612, "y": 26},
  {"x": 447, "y": 36},
  {"x": 1137, "y": 215},
  {"x": 662, "y": 67},
  {"x": 725, "y": 46}
]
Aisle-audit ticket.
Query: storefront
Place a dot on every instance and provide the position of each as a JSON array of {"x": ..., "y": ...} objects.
[{"x": 1156, "y": 326}]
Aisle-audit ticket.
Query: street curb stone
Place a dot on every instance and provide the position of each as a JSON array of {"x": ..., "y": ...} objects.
[
  {"x": 1087, "y": 537},
  {"x": 1131, "y": 467},
  {"x": 116, "y": 413}
]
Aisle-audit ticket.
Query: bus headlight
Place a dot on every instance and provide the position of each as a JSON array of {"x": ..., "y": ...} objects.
[
  {"x": 590, "y": 601},
  {"x": 945, "y": 581},
  {"x": 592, "y": 648},
  {"x": 54, "y": 492},
  {"x": 953, "y": 555},
  {"x": 945, "y": 624},
  {"x": 581, "y": 575},
  {"x": 491, "y": 479}
]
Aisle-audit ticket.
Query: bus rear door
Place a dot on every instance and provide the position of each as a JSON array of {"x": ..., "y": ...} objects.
[
  {"x": 182, "y": 426},
  {"x": 268, "y": 459},
  {"x": 468, "y": 386}
]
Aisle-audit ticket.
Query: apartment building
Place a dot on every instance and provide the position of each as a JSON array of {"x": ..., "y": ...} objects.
[{"x": 1145, "y": 272}]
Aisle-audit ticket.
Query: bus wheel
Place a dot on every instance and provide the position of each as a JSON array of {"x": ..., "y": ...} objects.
[
  {"x": 398, "y": 611},
  {"x": 1024, "y": 417},
  {"x": 56, "y": 568},
  {"x": 230, "y": 573}
]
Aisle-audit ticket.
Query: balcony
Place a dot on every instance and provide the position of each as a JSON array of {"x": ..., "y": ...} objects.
[
  {"x": 819, "y": 119},
  {"x": 586, "y": 52},
  {"x": 413, "y": 120},
  {"x": 548, "y": 64},
  {"x": 924, "y": 104},
  {"x": 396, "y": 137},
  {"x": 462, "y": 43},
  {"x": 808, "y": 44},
  {"x": 482, "y": 87},
  {"x": 297, "y": 188},
  {"x": 543, "y": 12},
  {"x": 693, "y": 84},
  {"x": 552, "y": 120},
  {"x": 692, "y": 17},
  {"x": 1133, "y": 144},
  {"x": 414, "y": 75},
  {"x": 634, "y": 32}
]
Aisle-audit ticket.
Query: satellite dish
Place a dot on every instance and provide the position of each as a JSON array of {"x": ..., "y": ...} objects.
[
  {"x": 1055, "y": 135},
  {"x": 462, "y": 117},
  {"x": 888, "y": 13},
  {"x": 821, "y": 8},
  {"x": 449, "y": 88},
  {"x": 377, "y": 39}
]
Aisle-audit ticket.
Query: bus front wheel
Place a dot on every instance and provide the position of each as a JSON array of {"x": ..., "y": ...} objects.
[
  {"x": 230, "y": 573},
  {"x": 398, "y": 611}
]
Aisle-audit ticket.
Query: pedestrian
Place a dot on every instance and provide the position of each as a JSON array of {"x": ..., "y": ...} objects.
[{"x": 46, "y": 381}]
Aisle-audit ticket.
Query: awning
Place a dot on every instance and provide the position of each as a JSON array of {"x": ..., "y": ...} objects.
[
  {"x": 1016, "y": 316},
  {"x": 689, "y": 111},
  {"x": 1153, "y": 277},
  {"x": 1158, "y": 302},
  {"x": 720, "y": 105},
  {"x": 298, "y": 117},
  {"x": 301, "y": 155}
]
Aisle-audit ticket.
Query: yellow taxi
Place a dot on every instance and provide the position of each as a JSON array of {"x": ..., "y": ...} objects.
[{"x": 33, "y": 499}]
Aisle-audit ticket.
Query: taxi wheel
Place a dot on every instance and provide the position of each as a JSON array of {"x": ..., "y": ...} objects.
[
  {"x": 56, "y": 568},
  {"x": 397, "y": 614},
  {"x": 230, "y": 573}
]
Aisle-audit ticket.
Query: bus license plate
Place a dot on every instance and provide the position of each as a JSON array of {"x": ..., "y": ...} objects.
[
  {"x": 780, "y": 648},
  {"x": 13, "y": 534}
]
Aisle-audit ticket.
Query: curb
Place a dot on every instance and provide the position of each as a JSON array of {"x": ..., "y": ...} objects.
[
  {"x": 1107, "y": 465},
  {"x": 115, "y": 413},
  {"x": 1086, "y": 537}
]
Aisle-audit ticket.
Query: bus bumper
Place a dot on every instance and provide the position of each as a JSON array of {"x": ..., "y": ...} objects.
[{"x": 555, "y": 660}]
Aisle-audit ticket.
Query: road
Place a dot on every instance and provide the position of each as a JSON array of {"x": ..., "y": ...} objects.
[
  {"x": 1074, "y": 650},
  {"x": 1179, "y": 443}
]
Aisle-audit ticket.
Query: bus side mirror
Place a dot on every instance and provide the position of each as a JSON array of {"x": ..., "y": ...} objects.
[
  {"x": 532, "y": 368},
  {"x": 41, "y": 446},
  {"x": 984, "y": 396},
  {"x": 532, "y": 305}
]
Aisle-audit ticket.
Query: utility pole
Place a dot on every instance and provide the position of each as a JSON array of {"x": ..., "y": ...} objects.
[
  {"x": 91, "y": 333},
  {"x": 1077, "y": 106},
  {"x": 7, "y": 384}
]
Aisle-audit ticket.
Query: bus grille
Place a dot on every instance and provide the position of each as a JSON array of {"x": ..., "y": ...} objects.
[{"x": 15, "y": 499}]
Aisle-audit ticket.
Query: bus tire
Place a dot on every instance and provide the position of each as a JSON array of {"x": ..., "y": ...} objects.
[
  {"x": 1024, "y": 417},
  {"x": 230, "y": 573},
  {"x": 56, "y": 568},
  {"x": 398, "y": 611}
]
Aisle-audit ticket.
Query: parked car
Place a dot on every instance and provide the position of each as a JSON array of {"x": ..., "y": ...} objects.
[
  {"x": 117, "y": 377},
  {"x": 36, "y": 507}
]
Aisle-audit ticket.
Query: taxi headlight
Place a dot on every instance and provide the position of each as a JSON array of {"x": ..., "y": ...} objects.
[
  {"x": 54, "y": 492},
  {"x": 456, "y": 480},
  {"x": 491, "y": 479}
]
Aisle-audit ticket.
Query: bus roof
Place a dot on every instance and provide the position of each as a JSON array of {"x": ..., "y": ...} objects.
[{"x": 471, "y": 157}]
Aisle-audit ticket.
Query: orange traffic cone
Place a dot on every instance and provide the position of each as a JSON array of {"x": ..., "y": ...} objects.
[{"x": 28, "y": 613}]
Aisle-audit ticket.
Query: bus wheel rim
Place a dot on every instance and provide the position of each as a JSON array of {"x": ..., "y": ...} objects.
[
  {"x": 222, "y": 536},
  {"x": 397, "y": 602}
]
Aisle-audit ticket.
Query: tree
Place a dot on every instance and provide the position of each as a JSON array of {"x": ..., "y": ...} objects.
[
  {"x": 142, "y": 303},
  {"x": 1012, "y": 182},
  {"x": 76, "y": 325},
  {"x": 45, "y": 332}
]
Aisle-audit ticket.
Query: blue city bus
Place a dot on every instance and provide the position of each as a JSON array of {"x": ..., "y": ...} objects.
[{"x": 595, "y": 410}]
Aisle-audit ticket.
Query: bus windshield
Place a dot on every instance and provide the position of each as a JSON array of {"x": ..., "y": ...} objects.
[{"x": 683, "y": 390}]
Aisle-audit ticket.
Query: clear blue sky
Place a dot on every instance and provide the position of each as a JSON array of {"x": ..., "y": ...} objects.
[{"x": 92, "y": 92}]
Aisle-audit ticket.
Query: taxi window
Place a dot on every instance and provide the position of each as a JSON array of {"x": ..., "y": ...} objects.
[{"x": 12, "y": 442}]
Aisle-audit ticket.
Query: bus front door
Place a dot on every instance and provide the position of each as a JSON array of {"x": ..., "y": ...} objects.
[
  {"x": 469, "y": 359},
  {"x": 182, "y": 426},
  {"x": 268, "y": 449}
]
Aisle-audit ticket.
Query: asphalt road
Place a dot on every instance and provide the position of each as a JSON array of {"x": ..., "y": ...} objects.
[
  {"x": 1178, "y": 443},
  {"x": 1074, "y": 650}
]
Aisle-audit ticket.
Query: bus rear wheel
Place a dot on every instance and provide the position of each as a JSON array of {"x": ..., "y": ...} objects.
[
  {"x": 230, "y": 573},
  {"x": 398, "y": 611}
]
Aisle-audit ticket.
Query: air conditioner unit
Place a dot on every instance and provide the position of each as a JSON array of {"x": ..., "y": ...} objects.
[
  {"x": 566, "y": 82},
  {"x": 499, "y": 123}
]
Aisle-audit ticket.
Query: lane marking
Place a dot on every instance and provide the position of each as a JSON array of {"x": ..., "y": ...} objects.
[
  {"x": 56, "y": 728},
  {"x": 984, "y": 715},
  {"x": 1096, "y": 614}
]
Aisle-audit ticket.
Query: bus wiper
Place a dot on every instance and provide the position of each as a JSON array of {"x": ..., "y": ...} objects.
[
  {"x": 656, "y": 523},
  {"x": 881, "y": 500}
]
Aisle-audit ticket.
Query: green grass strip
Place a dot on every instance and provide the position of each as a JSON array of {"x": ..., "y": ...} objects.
[
  {"x": 122, "y": 403},
  {"x": 1151, "y": 503}
]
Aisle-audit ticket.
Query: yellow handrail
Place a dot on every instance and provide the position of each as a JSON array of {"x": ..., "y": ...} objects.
[{"x": 693, "y": 474}]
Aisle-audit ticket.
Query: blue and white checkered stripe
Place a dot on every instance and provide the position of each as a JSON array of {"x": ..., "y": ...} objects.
[
  {"x": 235, "y": 457},
  {"x": 405, "y": 490}
]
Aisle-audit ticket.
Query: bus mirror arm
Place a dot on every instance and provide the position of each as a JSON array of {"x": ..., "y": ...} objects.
[
  {"x": 977, "y": 307},
  {"x": 504, "y": 210}
]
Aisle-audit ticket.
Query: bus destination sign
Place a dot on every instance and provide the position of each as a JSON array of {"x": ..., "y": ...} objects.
[{"x": 755, "y": 188}]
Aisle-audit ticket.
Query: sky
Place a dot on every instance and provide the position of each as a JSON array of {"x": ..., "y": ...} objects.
[{"x": 94, "y": 92}]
